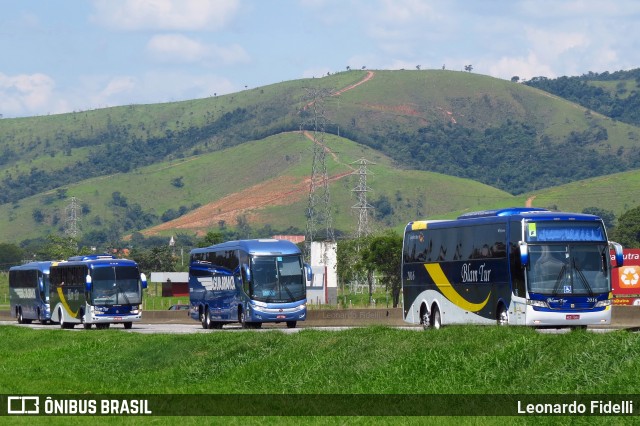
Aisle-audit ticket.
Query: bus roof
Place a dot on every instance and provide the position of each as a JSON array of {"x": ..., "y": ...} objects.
[
  {"x": 99, "y": 262},
  {"x": 502, "y": 215},
  {"x": 39, "y": 265},
  {"x": 257, "y": 247}
]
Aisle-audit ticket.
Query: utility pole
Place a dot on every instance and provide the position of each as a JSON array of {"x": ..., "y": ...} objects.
[
  {"x": 361, "y": 190},
  {"x": 363, "y": 208},
  {"x": 319, "y": 206},
  {"x": 71, "y": 222}
]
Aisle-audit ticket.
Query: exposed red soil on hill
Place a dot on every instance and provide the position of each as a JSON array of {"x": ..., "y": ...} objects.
[{"x": 282, "y": 190}]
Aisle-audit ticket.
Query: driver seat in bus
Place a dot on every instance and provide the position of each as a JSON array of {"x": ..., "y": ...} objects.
[{"x": 548, "y": 267}]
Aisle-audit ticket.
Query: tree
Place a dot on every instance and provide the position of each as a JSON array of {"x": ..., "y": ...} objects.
[
  {"x": 159, "y": 259},
  {"x": 61, "y": 248},
  {"x": 468, "y": 68},
  {"x": 10, "y": 255},
  {"x": 627, "y": 232},
  {"x": 608, "y": 217},
  {"x": 383, "y": 255},
  {"x": 515, "y": 79},
  {"x": 211, "y": 238}
]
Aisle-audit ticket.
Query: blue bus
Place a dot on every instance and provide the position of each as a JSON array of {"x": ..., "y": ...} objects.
[
  {"x": 248, "y": 281},
  {"x": 520, "y": 266},
  {"x": 96, "y": 289},
  {"x": 29, "y": 292}
]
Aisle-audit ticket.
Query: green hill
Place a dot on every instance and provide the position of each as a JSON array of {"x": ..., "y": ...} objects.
[
  {"x": 443, "y": 142},
  {"x": 277, "y": 166}
]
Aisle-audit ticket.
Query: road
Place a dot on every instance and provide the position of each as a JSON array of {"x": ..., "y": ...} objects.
[{"x": 167, "y": 328}]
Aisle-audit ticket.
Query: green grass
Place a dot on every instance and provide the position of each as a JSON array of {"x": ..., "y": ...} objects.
[{"x": 376, "y": 360}]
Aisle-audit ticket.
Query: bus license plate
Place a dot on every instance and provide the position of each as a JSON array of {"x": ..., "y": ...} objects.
[
  {"x": 281, "y": 316},
  {"x": 573, "y": 317}
]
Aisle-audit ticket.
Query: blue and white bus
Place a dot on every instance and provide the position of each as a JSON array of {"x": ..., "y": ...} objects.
[
  {"x": 521, "y": 266},
  {"x": 248, "y": 281},
  {"x": 29, "y": 292},
  {"x": 96, "y": 289}
]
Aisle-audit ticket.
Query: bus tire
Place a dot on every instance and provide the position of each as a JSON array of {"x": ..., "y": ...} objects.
[
  {"x": 436, "y": 319},
  {"x": 242, "y": 318},
  {"x": 61, "y": 320},
  {"x": 85, "y": 324},
  {"x": 292, "y": 324},
  {"x": 424, "y": 317},
  {"x": 128, "y": 325},
  {"x": 502, "y": 317},
  {"x": 206, "y": 319},
  {"x": 20, "y": 317}
]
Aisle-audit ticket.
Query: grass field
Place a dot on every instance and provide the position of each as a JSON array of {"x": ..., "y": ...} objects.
[{"x": 377, "y": 360}]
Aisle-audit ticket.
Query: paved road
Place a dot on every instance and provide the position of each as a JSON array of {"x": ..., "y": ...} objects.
[{"x": 146, "y": 328}]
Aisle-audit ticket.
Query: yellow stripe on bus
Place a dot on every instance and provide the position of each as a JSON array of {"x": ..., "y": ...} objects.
[
  {"x": 441, "y": 281},
  {"x": 63, "y": 300}
]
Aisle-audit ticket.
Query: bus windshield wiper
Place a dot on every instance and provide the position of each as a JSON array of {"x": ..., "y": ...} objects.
[
  {"x": 559, "y": 280},
  {"x": 583, "y": 279}
]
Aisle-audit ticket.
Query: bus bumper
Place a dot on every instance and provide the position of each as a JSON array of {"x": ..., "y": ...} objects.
[
  {"x": 261, "y": 314},
  {"x": 568, "y": 318}
]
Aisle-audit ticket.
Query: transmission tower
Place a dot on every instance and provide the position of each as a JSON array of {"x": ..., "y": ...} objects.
[
  {"x": 71, "y": 222},
  {"x": 319, "y": 207},
  {"x": 363, "y": 207}
]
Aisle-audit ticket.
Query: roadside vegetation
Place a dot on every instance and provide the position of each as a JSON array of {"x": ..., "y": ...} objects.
[{"x": 374, "y": 360}]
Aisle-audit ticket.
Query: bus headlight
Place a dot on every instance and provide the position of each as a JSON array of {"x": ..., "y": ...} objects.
[
  {"x": 603, "y": 303},
  {"x": 537, "y": 303}
]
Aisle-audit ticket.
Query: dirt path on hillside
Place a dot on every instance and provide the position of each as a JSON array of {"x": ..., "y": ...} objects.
[
  {"x": 529, "y": 202},
  {"x": 282, "y": 190}
]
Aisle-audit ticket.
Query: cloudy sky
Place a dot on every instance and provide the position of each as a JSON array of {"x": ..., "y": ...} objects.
[{"x": 71, "y": 55}]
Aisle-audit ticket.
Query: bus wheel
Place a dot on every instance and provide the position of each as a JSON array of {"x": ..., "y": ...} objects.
[
  {"x": 61, "y": 319},
  {"x": 20, "y": 317},
  {"x": 242, "y": 319},
  {"x": 128, "y": 325},
  {"x": 424, "y": 317},
  {"x": 87, "y": 326},
  {"x": 207, "y": 319},
  {"x": 291, "y": 324},
  {"x": 503, "y": 318},
  {"x": 436, "y": 320}
]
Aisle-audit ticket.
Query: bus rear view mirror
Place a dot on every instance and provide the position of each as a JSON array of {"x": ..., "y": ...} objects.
[
  {"x": 247, "y": 272},
  {"x": 618, "y": 254},
  {"x": 524, "y": 254},
  {"x": 308, "y": 273},
  {"x": 143, "y": 278}
]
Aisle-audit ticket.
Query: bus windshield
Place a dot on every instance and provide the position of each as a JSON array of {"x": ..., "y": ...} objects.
[
  {"x": 116, "y": 285},
  {"x": 277, "y": 279},
  {"x": 559, "y": 269}
]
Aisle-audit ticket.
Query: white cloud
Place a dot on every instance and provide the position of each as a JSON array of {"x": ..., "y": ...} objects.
[
  {"x": 25, "y": 93},
  {"x": 180, "y": 49},
  {"x": 525, "y": 67},
  {"x": 170, "y": 47},
  {"x": 164, "y": 14}
]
